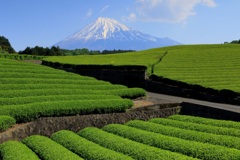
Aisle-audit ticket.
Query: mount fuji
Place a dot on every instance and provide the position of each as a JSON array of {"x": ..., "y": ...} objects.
[{"x": 109, "y": 34}]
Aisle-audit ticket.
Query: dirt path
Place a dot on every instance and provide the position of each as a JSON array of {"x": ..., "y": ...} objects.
[{"x": 34, "y": 61}]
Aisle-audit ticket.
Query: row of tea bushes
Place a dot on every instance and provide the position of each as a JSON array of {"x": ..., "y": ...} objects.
[
  {"x": 207, "y": 121},
  {"x": 6, "y": 122},
  {"x": 51, "y": 98},
  {"x": 124, "y": 93},
  {"x": 41, "y": 75},
  {"x": 198, "y": 127},
  {"x": 13, "y": 150},
  {"x": 29, "y": 112},
  {"x": 49, "y": 149},
  {"x": 135, "y": 140},
  {"x": 21, "y": 57},
  {"x": 84, "y": 81},
  {"x": 86, "y": 148},
  {"x": 63, "y": 86}
]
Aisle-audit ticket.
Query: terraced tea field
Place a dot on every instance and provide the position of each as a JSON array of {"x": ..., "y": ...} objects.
[
  {"x": 29, "y": 91},
  {"x": 158, "y": 138},
  {"x": 213, "y": 66},
  {"x": 145, "y": 58}
]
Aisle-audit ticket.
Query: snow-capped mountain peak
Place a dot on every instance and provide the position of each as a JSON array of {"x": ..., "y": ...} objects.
[
  {"x": 106, "y": 33},
  {"x": 110, "y": 25},
  {"x": 102, "y": 28}
]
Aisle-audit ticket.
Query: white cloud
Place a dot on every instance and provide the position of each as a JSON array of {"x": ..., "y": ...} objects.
[
  {"x": 89, "y": 13},
  {"x": 131, "y": 17},
  {"x": 209, "y": 3},
  {"x": 166, "y": 10},
  {"x": 104, "y": 8}
]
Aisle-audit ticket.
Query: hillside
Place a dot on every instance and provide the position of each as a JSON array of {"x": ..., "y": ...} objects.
[
  {"x": 145, "y": 58},
  {"x": 214, "y": 66},
  {"x": 29, "y": 91}
]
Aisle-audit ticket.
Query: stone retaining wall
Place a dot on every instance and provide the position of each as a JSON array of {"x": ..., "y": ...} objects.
[
  {"x": 47, "y": 126},
  {"x": 208, "y": 112}
]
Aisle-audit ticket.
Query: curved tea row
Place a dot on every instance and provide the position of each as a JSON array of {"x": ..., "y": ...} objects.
[{"x": 135, "y": 140}]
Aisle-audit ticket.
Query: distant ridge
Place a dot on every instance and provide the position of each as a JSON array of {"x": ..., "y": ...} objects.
[{"x": 109, "y": 34}]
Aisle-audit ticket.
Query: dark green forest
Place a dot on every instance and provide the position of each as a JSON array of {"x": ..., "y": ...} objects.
[
  {"x": 41, "y": 51},
  {"x": 5, "y": 46},
  {"x": 233, "y": 42},
  {"x": 57, "y": 51}
]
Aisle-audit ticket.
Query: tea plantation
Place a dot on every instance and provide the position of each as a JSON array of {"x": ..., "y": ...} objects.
[
  {"x": 29, "y": 91},
  {"x": 144, "y": 58},
  {"x": 158, "y": 138},
  {"x": 212, "y": 66}
]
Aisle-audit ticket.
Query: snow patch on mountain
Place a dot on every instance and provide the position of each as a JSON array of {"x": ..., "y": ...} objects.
[{"x": 103, "y": 28}]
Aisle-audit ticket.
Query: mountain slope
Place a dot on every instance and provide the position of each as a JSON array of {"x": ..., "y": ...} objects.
[{"x": 106, "y": 33}]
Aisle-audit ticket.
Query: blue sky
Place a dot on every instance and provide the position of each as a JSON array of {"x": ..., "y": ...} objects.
[{"x": 45, "y": 22}]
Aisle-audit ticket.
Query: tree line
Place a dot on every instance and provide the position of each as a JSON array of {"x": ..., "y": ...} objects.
[
  {"x": 41, "y": 51},
  {"x": 57, "y": 51},
  {"x": 5, "y": 47},
  {"x": 233, "y": 42}
]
